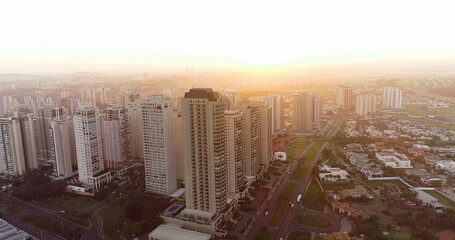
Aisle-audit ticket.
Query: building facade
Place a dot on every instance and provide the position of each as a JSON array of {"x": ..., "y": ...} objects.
[{"x": 158, "y": 139}]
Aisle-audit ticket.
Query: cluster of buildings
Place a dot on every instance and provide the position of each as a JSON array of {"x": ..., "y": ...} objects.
[{"x": 365, "y": 104}]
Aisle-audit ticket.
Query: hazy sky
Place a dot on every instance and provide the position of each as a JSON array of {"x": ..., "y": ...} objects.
[{"x": 60, "y": 36}]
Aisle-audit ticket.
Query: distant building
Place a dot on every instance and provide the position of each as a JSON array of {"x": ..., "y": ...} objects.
[
  {"x": 365, "y": 104},
  {"x": 303, "y": 112},
  {"x": 392, "y": 97},
  {"x": 276, "y": 102},
  {"x": 317, "y": 109},
  {"x": 344, "y": 96},
  {"x": 43, "y": 116}
]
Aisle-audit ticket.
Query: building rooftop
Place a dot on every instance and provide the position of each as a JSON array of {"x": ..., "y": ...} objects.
[{"x": 172, "y": 232}]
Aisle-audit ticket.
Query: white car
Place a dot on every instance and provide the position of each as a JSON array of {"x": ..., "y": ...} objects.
[{"x": 266, "y": 213}]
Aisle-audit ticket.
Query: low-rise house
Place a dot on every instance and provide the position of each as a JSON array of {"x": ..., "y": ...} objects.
[
  {"x": 332, "y": 174},
  {"x": 428, "y": 200},
  {"x": 344, "y": 208},
  {"x": 448, "y": 166},
  {"x": 432, "y": 160},
  {"x": 371, "y": 171},
  {"x": 354, "y": 147},
  {"x": 358, "y": 192},
  {"x": 393, "y": 159}
]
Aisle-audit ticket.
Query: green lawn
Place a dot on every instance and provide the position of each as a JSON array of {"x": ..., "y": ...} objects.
[
  {"x": 426, "y": 121},
  {"x": 338, "y": 186},
  {"x": 403, "y": 234},
  {"x": 299, "y": 172},
  {"x": 299, "y": 235},
  {"x": 67, "y": 202},
  {"x": 314, "y": 198},
  {"x": 442, "y": 199},
  {"x": 294, "y": 147},
  {"x": 282, "y": 205},
  {"x": 309, "y": 155},
  {"x": 312, "y": 220},
  {"x": 265, "y": 234},
  {"x": 377, "y": 183},
  {"x": 424, "y": 110}
]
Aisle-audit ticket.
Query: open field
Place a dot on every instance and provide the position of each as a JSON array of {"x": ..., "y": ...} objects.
[
  {"x": 442, "y": 199},
  {"x": 426, "y": 121},
  {"x": 312, "y": 220},
  {"x": 293, "y": 148},
  {"x": 377, "y": 183},
  {"x": 265, "y": 234},
  {"x": 299, "y": 172},
  {"x": 338, "y": 186},
  {"x": 425, "y": 110},
  {"x": 313, "y": 196},
  {"x": 282, "y": 205},
  {"x": 309, "y": 155}
]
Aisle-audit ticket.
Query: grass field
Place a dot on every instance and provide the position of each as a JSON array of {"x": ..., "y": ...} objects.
[
  {"x": 424, "y": 110},
  {"x": 377, "y": 183},
  {"x": 403, "y": 234},
  {"x": 294, "y": 147},
  {"x": 265, "y": 234},
  {"x": 312, "y": 220},
  {"x": 67, "y": 202},
  {"x": 338, "y": 186},
  {"x": 282, "y": 205},
  {"x": 442, "y": 199},
  {"x": 426, "y": 121},
  {"x": 309, "y": 155},
  {"x": 299, "y": 172},
  {"x": 312, "y": 198}
]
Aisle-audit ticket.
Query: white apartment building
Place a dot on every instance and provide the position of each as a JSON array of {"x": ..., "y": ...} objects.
[
  {"x": 204, "y": 151},
  {"x": 392, "y": 97},
  {"x": 178, "y": 144},
  {"x": 158, "y": 139},
  {"x": 116, "y": 137},
  {"x": 447, "y": 166},
  {"x": 12, "y": 159},
  {"x": 276, "y": 102},
  {"x": 250, "y": 111},
  {"x": 365, "y": 104},
  {"x": 135, "y": 122},
  {"x": 89, "y": 147},
  {"x": 235, "y": 154},
  {"x": 63, "y": 146},
  {"x": 390, "y": 158},
  {"x": 265, "y": 137},
  {"x": 344, "y": 96},
  {"x": 29, "y": 140}
]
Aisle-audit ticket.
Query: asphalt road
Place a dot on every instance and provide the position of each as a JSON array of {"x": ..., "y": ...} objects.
[{"x": 287, "y": 223}]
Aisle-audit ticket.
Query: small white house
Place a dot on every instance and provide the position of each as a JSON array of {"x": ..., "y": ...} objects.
[
  {"x": 332, "y": 174},
  {"x": 280, "y": 156}
]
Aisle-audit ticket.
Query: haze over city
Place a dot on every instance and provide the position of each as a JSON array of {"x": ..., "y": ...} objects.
[{"x": 199, "y": 120}]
